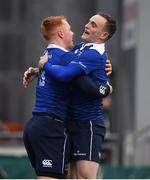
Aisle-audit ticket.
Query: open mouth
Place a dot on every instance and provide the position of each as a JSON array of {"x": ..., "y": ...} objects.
[{"x": 86, "y": 32}]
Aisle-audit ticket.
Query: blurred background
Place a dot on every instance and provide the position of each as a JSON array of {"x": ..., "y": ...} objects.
[{"x": 127, "y": 146}]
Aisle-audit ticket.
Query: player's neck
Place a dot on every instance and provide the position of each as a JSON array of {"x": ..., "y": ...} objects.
[{"x": 58, "y": 42}]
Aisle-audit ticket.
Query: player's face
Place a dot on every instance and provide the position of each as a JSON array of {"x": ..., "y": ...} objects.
[
  {"x": 68, "y": 35},
  {"x": 94, "y": 30}
]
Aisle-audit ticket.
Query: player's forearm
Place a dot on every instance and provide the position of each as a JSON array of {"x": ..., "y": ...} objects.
[
  {"x": 93, "y": 89},
  {"x": 63, "y": 73}
]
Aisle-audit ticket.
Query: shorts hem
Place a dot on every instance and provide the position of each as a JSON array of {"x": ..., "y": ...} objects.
[
  {"x": 86, "y": 159},
  {"x": 51, "y": 174}
]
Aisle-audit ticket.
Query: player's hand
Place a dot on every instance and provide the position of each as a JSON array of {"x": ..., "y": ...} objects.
[
  {"x": 111, "y": 89},
  {"x": 108, "y": 68},
  {"x": 43, "y": 60},
  {"x": 29, "y": 75}
]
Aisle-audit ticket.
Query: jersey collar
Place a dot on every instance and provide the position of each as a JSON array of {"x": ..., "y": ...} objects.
[
  {"x": 50, "y": 46},
  {"x": 102, "y": 45},
  {"x": 99, "y": 47}
]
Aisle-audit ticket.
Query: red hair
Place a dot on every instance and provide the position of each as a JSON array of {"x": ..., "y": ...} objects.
[{"x": 49, "y": 24}]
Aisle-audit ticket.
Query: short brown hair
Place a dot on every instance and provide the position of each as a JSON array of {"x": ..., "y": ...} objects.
[
  {"x": 49, "y": 24},
  {"x": 110, "y": 25}
]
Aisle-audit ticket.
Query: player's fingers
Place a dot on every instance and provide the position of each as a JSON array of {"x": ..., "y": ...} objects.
[
  {"x": 46, "y": 54},
  {"x": 108, "y": 61},
  {"x": 108, "y": 65},
  {"x": 30, "y": 72},
  {"x": 108, "y": 73},
  {"x": 111, "y": 89},
  {"x": 27, "y": 71},
  {"x": 33, "y": 71},
  {"x": 108, "y": 69},
  {"x": 44, "y": 57},
  {"x": 36, "y": 70},
  {"x": 25, "y": 74},
  {"x": 24, "y": 82},
  {"x": 25, "y": 77}
]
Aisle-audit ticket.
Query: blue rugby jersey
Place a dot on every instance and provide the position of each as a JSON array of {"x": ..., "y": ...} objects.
[
  {"x": 52, "y": 96},
  {"x": 92, "y": 59}
]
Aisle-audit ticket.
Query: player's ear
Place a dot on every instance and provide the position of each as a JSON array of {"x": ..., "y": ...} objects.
[
  {"x": 60, "y": 34},
  {"x": 104, "y": 35}
]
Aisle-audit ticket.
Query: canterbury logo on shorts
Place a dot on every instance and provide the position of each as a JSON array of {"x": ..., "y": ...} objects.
[{"x": 47, "y": 163}]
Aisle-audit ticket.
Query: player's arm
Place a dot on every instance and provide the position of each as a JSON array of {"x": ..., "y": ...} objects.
[
  {"x": 44, "y": 59},
  {"x": 68, "y": 73},
  {"x": 91, "y": 88},
  {"x": 63, "y": 73},
  {"x": 95, "y": 89},
  {"x": 82, "y": 66},
  {"x": 31, "y": 73}
]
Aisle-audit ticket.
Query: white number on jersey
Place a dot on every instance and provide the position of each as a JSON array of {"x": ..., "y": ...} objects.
[{"x": 42, "y": 79}]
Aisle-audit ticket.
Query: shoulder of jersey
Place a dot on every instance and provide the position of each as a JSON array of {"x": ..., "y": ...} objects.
[
  {"x": 100, "y": 48},
  {"x": 56, "y": 51}
]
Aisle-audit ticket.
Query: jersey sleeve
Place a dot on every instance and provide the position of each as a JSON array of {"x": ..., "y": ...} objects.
[
  {"x": 63, "y": 73},
  {"x": 91, "y": 88}
]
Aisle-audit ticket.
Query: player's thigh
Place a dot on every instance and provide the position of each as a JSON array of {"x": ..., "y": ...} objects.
[{"x": 87, "y": 169}]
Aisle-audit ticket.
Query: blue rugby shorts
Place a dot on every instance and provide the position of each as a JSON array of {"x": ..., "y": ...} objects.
[
  {"x": 47, "y": 145},
  {"x": 86, "y": 138}
]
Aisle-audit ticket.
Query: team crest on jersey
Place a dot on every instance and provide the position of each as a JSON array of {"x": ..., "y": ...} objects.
[{"x": 78, "y": 52}]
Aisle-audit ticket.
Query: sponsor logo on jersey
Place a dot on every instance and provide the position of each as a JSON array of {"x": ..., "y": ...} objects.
[{"x": 79, "y": 62}]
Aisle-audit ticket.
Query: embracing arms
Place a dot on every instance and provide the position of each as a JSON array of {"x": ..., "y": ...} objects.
[{"x": 92, "y": 88}]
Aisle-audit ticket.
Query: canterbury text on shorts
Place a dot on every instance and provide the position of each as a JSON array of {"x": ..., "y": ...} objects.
[
  {"x": 86, "y": 138},
  {"x": 47, "y": 145}
]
